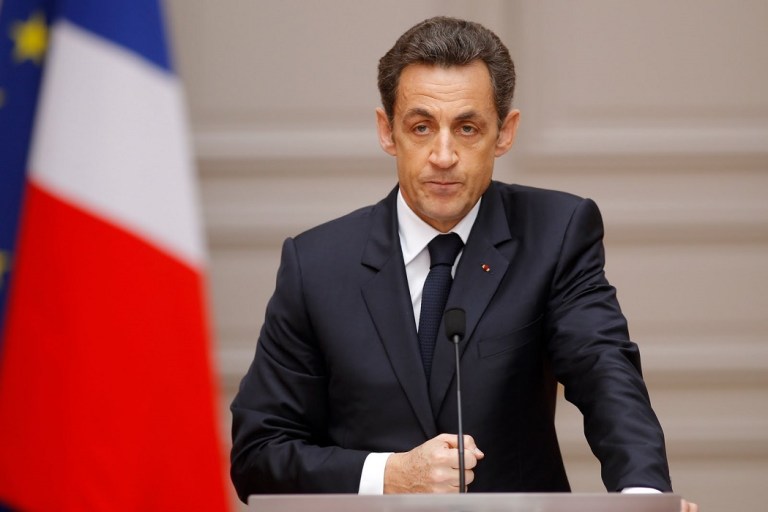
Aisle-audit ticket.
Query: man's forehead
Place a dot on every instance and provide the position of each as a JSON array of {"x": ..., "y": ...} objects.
[{"x": 425, "y": 88}]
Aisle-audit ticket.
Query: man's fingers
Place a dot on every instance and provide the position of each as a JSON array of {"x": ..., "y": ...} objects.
[
  {"x": 686, "y": 506},
  {"x": 431, "y": 467},
  {"x": 453, "y": 481},
  {"x": 470, "y": 459},
  {"x": 469, "y": 443}
]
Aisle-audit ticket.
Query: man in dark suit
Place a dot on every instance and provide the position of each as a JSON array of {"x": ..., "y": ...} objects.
[{"x": 348, "y": 394}]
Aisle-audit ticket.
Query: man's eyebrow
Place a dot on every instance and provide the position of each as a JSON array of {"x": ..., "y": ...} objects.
[
  {"x": 467, "y": 116},
  {"x": 418, "y": 112}
]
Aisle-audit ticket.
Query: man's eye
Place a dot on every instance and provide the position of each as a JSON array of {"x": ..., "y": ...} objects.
[
  {"x": 468, "y": 129},
  {"x": 421, "y": 128}
]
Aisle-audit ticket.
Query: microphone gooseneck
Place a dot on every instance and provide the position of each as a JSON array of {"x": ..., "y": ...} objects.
[{"x": 455, "y": 326}]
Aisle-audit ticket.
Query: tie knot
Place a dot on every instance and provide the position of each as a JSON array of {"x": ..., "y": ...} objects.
[{"x": 443, "y": 249}]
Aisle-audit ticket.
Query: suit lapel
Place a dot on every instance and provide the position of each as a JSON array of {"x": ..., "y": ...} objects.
[
  {"x": 388, "y": 300},
  {"x": 490, "y": 246}
]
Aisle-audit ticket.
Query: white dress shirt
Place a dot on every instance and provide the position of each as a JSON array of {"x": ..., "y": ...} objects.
[{"x": 414, "y": 234}]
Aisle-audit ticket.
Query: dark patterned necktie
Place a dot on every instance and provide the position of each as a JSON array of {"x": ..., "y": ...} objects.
[{"x": 443, "y": 250}]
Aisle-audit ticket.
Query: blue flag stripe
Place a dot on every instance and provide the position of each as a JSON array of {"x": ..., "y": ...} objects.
[{"x": 134, "y": 24}]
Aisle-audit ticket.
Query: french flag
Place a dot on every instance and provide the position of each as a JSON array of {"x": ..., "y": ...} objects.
[{"x": 107, "y": 398}]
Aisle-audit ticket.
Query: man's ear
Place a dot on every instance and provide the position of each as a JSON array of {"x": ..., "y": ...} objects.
[
  {"x": 385, "y": 132},
  {"x": 507, "y": 132}
]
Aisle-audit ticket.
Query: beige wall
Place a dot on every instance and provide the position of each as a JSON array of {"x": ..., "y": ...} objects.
[{"x": 656, "y": 109}]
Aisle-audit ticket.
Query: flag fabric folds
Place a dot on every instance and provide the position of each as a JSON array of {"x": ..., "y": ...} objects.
[{"x": 107, "y": 400}]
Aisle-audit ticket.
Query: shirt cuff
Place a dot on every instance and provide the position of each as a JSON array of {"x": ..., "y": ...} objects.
[
  {"x": 372, "y": 477},
  {"x": 640, "y": 490}
]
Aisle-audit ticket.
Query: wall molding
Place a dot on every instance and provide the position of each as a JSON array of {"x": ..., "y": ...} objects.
[
  {"x": 256, "y": 143},
  {"x": 620, "y": 138},
  {"x": 541, "y": 146}
]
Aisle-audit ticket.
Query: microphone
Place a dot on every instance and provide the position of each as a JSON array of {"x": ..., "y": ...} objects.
[{"x": 455, "y": 325}]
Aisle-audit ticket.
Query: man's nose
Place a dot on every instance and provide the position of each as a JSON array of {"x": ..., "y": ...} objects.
[{"x": 443, "y": 153}]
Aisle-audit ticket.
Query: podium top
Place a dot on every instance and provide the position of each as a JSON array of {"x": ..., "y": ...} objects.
[{"x": 473, "y": 502}]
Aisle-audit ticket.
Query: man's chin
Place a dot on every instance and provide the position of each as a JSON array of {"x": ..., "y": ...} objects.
[{"x": 443, "y": 220}]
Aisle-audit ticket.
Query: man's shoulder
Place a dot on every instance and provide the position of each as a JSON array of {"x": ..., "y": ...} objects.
[
  {"x": 536, "y": 201},
  {"x": 344, "y": 226},
  {"x": 535, "y": 194},
  {"x": 340, "y": 243},
  {"x": 352, "y": 229}
]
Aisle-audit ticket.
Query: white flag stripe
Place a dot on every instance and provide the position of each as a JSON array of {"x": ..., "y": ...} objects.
[{"x": 112, "y": 138}]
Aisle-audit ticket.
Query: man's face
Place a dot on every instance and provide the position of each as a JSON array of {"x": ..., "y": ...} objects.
[{"x": 445, "y": 137}]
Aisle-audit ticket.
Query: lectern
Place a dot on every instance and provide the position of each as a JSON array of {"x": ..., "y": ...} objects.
[{"x": 479, "y": 502}]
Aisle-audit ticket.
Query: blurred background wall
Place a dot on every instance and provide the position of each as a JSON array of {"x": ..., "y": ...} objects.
[{"x": 658, "y": 110}]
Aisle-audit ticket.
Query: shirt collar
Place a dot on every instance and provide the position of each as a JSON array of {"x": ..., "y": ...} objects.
[{"x": 415, "y": 234}]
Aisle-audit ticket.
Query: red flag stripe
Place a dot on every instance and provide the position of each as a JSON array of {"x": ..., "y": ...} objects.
[{"x": 106, "y": 394}]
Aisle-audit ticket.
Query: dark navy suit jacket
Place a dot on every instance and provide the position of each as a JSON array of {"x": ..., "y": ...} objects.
[{"x": 337, "y": 372}]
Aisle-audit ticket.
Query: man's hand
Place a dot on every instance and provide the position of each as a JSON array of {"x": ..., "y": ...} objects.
[
  {"x": 686, "y": 506},
  {"x": 431, "y": 467}
]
